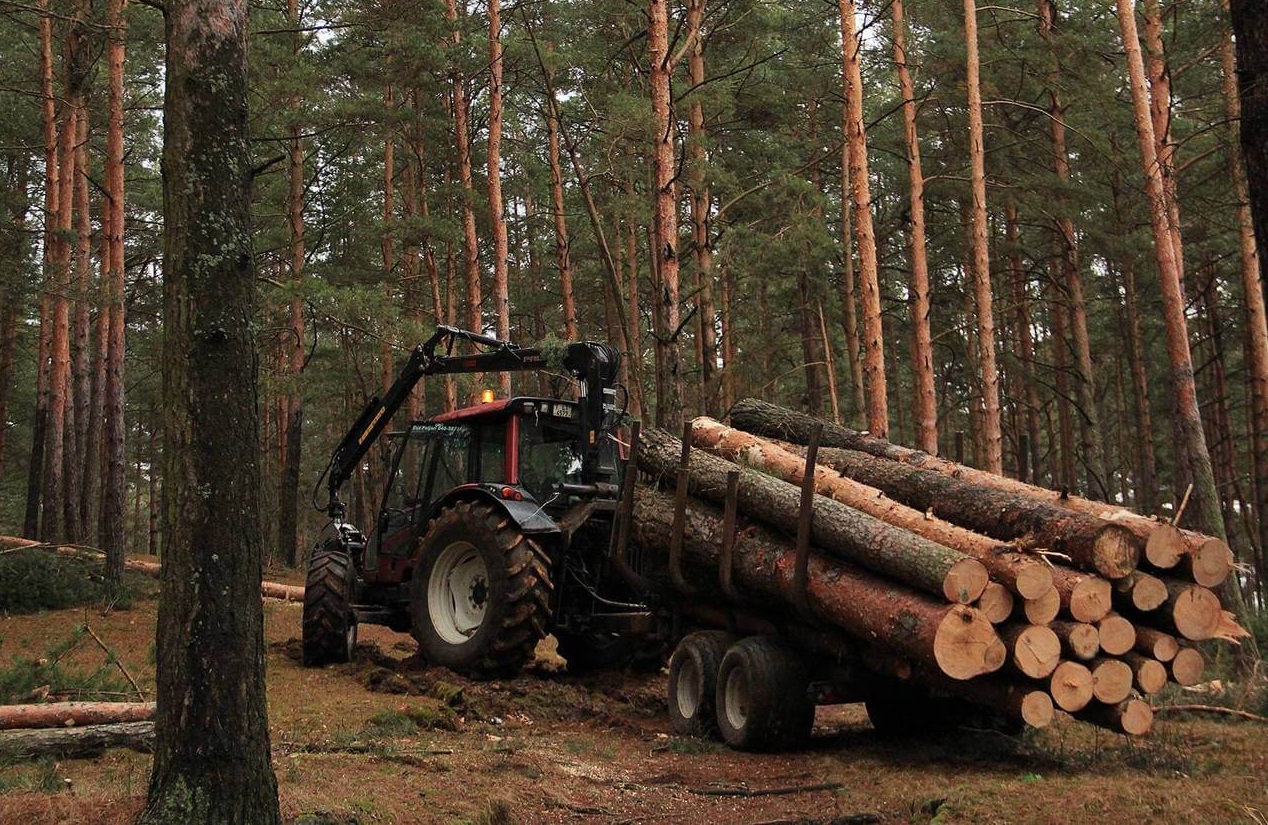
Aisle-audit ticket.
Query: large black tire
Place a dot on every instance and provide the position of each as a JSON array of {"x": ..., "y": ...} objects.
[
  {"x": 693, "y": 681},
  {"x": 330, "y": 625},
  {"x": 763, "y": 697},
  {"x": 480, "y": 598}
]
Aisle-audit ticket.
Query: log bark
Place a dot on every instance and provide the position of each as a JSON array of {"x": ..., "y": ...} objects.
[
  {"x": 73, "y": 714},
  {"x": 1079, "y": 640},
  {"x": 1111, "y": 680},
  {"x": 1024, "y": 575},
  {"x": 955, "y": 639},
  {"x": 1034, "y": 650},
  {"x": 1187, "y": 666},
  {"x": 77, "y": 742},
  {"x": 1116, "y": 635},
  {"x": 1156, "y": 644},
  {"x": 837, "y": 529},
  {"x": 1071, "y": 686},
  {"x": 1084, "y": 598},
  {"x": 1150, "y": 675},
  {"x": 1133, "y": 716}
]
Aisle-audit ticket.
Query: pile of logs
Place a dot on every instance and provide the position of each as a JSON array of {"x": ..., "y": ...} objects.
[{"x": 1006, "y": 594}]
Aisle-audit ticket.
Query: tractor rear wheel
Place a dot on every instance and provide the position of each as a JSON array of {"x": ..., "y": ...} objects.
[
  {"x": 480, "y": 599},
  {"x": 330, "y": 625}
]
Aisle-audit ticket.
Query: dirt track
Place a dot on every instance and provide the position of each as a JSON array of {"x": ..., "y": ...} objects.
[{"x": 384, "y": 740}]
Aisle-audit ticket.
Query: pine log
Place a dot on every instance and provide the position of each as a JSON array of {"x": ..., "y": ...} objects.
[
  {"x": 1084, "y": 597},
  {"x": 772, "y": 421},
  {"x": 90, "y": 740},
  {"x": 996, "y": 603},
  {"x": 1210, "y": 564},
  {"x": 955, "y": 639},
  {"x": 1165, "y": 546},
  {"x": 1192, "y": 610},
  {"x": 1141, "y": 590},
  {"x": 1034, "y": 650},
  {"x": 1187, "y": 666},
  {"x": 1150, "y": 674},
  {"x": 272, "y": 590},
  {"x": 953, "y": 492},
  {"x": 1042, "y": 610},
  {"x": 1132, "y": 716},
  {"x": 1079, "y": 640},
  {"x": 1071, "y": 686},
  {"x": 1111, "y": 680},
  {"x": 1023, "y": 574},
  {"x": 837, "y": 529},
  {"x": 1156, "y": 644},
  {"x": 1117, "y": 635},
  {"x": 73, "y": 714}
]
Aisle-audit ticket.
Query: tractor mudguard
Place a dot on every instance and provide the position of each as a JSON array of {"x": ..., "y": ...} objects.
[{"x": 527, "y": 513}]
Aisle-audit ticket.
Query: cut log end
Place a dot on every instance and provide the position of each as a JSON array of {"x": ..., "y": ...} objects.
[
  {"x": 1090, "y": 599},
  {"x": 1211, "y": 563},
  {"x": 1043, "y": 609},
  {"x": 1145, "y": 592},
  {"x": 1071, "y": 686},
  {"x": 1156, "y": 644},
  {"x": 1111, "y": 681},
  {"x": 966, "y": 645},
  {"x": 1116, "y": 551},
  {"x": 1116, "y": 635},
  {"x": 965, "y": 582},
  {"x": 1033, "y": 581},
  {"x": 1165, "y": 547},
  {"x": 1187, "y": 666},
  {"x": 1079, "y": 640},
  {"x": 996, "y": 603},
  {"x": 1133, "y": 716},
  {"x": 1037, "y": 709},
  {"x": 1196, "y": 612},
  {"x": 1151, "y": 674},
  {"x": 1036, "y": 650}
]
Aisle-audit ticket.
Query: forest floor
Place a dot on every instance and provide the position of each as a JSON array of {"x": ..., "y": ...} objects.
[{"x": 383, "y": 739}]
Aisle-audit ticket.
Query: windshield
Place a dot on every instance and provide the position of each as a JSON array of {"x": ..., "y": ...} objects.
[{"x": 548, "y": 455}]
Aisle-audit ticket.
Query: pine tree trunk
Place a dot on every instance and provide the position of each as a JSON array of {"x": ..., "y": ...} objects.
[
  {"x": 1204, "y": 509},
  {"x": 865, "y": 235},
  {"x": 701, "y": 247},
  {"x": 1147, "y": 480},
  {"x": 992, "y": 435},
  {"x": 13, "y": 279},
  {"x": 79, "y": 399},
  {"x": 1018, "y": 283},
  {"x": 669, "y": 403},
  {"x": 475, "y": 317},
  {"x": 1250, "y": 28},
  {"x": 113, "y": 498},
  {"x": 497, "y": 215},
  {"x": 1159, "y": 74},
  {"x": 926, "y": 406},
  {"x": 211, "y": 761},
  {"x": 563, "y": 246}
]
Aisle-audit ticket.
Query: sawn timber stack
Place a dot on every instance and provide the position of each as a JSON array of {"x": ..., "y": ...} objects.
[{"x": 905, "y": 566}]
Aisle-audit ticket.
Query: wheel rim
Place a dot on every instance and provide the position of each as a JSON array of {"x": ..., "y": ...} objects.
[
  {"x": 736, "y": 696},
  {"x": 458, "y": 593},
  {"x": 688, "y": 688}
]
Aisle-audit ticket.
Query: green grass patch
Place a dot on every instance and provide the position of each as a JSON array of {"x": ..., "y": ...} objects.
[{"x": 32, "y": 678}]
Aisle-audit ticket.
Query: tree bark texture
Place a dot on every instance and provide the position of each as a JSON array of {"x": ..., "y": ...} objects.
[
  {"x": 1024, "y": 575},
  {"x": 497, "y": 211},
  {"x": 954, "y": 639},
  {"x": 864, "y": 234},
  {"x": 73, "y": 714},
  {"x": 669, "y": 406},
  {"x": 212, "y": 761},
  {"x": 837, "y": 529}
]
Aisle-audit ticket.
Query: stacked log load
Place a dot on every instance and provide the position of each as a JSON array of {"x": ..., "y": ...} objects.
[{"x": 971, "y": 584}]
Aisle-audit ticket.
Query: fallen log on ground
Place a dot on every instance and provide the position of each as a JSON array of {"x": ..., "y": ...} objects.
[
  {"x": 838, "y": 530},
  {"x": 90, "y": 740},
  {"x": 1024, "y": 575},
  {"x": 955, "y": 495},
  {"x": 955, "y": 639},
  {"x": 272, "y": 590},
  {"x": 73, "y": 714}
]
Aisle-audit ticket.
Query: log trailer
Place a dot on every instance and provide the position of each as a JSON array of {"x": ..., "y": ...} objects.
[{"x": 511, "y": 519}]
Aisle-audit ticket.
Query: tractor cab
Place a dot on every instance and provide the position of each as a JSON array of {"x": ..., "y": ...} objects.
[{"x": 525, "y": 453}]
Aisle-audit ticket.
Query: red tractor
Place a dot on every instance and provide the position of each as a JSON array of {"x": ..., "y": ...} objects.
[{"x": 495, "y": 526}]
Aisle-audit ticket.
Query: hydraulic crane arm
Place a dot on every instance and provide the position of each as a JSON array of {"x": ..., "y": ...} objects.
[{"x": 595, "y": 365}]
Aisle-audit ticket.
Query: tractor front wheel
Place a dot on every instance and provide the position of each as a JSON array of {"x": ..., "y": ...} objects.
[
  {"x": 480, "y": 599},
  {"x": 330, "y": 625}
]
